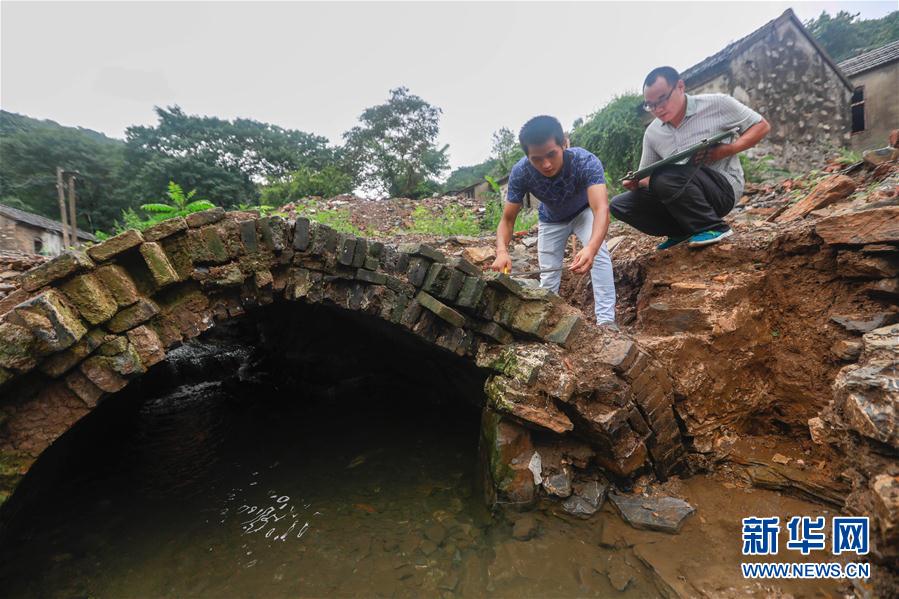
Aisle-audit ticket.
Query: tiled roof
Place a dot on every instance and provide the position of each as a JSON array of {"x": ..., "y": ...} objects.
[
  {"x": 714, "y": 64},
  {"x": 41, "y": 222},
  {"x": 871, "y": 59}
]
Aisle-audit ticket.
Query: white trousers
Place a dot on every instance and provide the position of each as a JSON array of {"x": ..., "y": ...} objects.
[{"x": 551, "y": 240}]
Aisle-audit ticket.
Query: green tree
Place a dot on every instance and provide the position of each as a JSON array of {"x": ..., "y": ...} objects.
[
  {"x": 306, "y": 182},
  {"x": 224, "y": 160},
  {"x": 464, "y": 176},
  {"x": 845, "y": 36},
  {"x": 615, "y": 135},
  {"x": 395, "y": 145},
  {"x": 30, "y": 152},
  {"x": 505, "y": 151}
]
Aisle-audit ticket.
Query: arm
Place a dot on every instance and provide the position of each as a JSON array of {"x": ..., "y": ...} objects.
[
  {"x": 598, "y": 198},
  {"x": 504, "y": 236},
  {"x": 749, "y": 138}
]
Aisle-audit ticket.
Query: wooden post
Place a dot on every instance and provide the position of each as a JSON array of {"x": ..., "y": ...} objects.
[
  {"x": 62, "y": 208},
  {"x": 73, "y": 222}
]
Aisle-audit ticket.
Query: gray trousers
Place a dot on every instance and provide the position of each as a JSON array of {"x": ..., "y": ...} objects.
[{"x": 551, "y": 240}]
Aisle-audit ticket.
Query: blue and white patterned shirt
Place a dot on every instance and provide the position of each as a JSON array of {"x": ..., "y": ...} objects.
[{"x": 561, "y": 197}]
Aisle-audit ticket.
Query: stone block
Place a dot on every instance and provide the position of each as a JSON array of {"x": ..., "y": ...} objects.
[
  {"x": 866, "y": 266},
  {"x": 132, "y": 316},
  {"x": 263, "y": 279},
  {"x": 878, "y": 225},
  {"x": 360, "y": 254},
  {"x": 506, "y": 310},
  {"x": 436, "y": 279},
  {"x": 206, "y": 217},
  {"x": 273, "y": 230},
  {"x": 206, "y": 246},
  {"x": 666, "y": 514},
  {"x": 161, "y": 268},
  {"x": 617, "y": 352},
  {"x": 147, "y": 345},
  {"x": 53, "y": 322},
  {"x": 418, "y": 270},
  {"x": 95, "y": 303},
  {"x": 324, "y": 240},
  {"x": 371, "y": 263},
  {"x": 84, "y": 388},
  {"x": 227, "y": 275},
  {"x": 346, "y": 249},
  {"x": 503, "y": 282},
  {"x": 177, "y": 248},
  {"x": 16, "y": 343},
  {"x": 248, "y": 238},
  {"x": 465, "y": 266},
  {"x": 61, "y": 266},
  {"x": 115, "y": 245},
  {"x": 440, "y": 309},
  {"x": 470, "y": 292},
  {"x": 423, "y": 250},
  {"x": 113, "y": 345},
  {"x": 508, "y": 451},
  {"x": 166, "y": 228},
  {"x": 372, "y": 277},
  {"x": 830, "y": 190},
  {"x": 398, "y": 307},
  {"x": 531, "y": 317},
  {"x": 119, "y": 283},
  {"x": 453, "y": 285},
  {"x": 495, "y": 332},
  {"x": 63, "y": 361},
  {"x": 301, "y": 234},
  {"x": 411, "y": 314},
  {"x": 375, "y": 248},
  {"x": 565, "y": 330}
]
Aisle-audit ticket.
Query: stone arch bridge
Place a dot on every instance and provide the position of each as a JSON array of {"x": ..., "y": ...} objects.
[{"x": 83, "y": 325}]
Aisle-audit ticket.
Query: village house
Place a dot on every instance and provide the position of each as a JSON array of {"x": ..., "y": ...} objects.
[
  {"x": 780, "y": 71},
  {"x": 32, "y": 234},
  {"x": 875, "y": 109}
]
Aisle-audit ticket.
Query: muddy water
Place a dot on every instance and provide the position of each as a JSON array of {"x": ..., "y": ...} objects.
[{"x": 219, "y": 494}]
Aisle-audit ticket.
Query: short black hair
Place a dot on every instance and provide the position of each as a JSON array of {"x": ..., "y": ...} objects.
[
  {"x": 669, "y": 74},
  {"x": 540, "y": 130}
]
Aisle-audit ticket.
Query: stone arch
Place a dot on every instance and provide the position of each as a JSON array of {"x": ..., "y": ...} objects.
[{"x": 82, "y": 325}]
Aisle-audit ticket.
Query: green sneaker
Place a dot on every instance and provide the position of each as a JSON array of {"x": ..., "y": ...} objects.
[
  {"x": 671, "y": 242},
  {"x": 709, "y": 237}
]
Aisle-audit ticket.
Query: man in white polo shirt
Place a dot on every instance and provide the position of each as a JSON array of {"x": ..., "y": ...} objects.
[{"x": 688, "y": 202}]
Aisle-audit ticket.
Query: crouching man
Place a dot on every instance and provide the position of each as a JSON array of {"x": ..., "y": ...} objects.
[
  {"x": 570, "y": 184},
  {"x": 688, "y": 202}
]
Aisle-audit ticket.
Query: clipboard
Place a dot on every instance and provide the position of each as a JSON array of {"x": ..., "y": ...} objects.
[{"x": 676, "y": 158}]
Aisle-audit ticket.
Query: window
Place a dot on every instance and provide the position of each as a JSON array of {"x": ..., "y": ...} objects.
[
  {"x": 38, "y": 246},
  {"x": 858, "y": 109}
]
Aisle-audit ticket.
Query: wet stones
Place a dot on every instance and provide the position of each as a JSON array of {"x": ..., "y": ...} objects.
[
  {"x": 665, "y": 514},
  {"x": 587, "y": 499},
  {"x": 525, "y": 528}
]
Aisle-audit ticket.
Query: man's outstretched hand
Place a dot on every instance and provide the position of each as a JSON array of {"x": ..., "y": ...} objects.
[
  {"x": 503, "y": 263},
  {"x": 583, "y": 260}
]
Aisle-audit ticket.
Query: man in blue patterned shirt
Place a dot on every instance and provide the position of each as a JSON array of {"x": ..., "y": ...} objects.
[{"x": 571, "y": 187}]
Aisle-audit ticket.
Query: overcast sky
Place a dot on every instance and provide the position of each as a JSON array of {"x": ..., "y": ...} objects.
[{"x": 316, "y": 66}]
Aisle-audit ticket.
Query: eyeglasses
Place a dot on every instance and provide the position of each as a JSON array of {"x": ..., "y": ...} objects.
[{"x": 650, "y": 106}]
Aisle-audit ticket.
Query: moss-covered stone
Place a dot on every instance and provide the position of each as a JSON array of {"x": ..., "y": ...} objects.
[
  {"x": 16, "y": 346},
  {"x": 61, "y": 266},
  {"x": 115, "y": 245},
  {"x": 166, "y": 228},
  {"x": 440, "y": 309},
  {"x": 63, "y": 361},
  {"x": 132, "y": 316},
  {"x": 160, "y": 267},
  {"x": 206, "y": 246},
  {"x": 206, "y": 217},
  {"x": 119, "y": 283},
  {"x": 54, "y": 322},
  {"x": 93, "y": 300}
]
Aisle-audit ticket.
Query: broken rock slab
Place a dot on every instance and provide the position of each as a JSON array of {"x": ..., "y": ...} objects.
[
  {"x": 587, "y": 499},
  {"x": 665, "y": 514},
  {"x": 865, "y": 324}
]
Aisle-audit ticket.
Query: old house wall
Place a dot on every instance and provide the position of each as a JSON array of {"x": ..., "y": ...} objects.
[
  {"x": 881, "y": 107},
  {"x": 784, "y": 77},
  {"x": 18, "y": 236}
]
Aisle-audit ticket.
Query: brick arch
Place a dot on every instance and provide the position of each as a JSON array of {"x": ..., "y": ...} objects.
[{"x": 83, "y": 325}]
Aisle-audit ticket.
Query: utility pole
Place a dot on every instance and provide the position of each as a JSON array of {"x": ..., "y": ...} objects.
[
  {"x": 62, "y": 208},
  {"x": 73, "y": 221}
]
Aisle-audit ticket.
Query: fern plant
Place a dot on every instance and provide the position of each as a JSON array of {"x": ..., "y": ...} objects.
[{"x": 180, "y": 204}]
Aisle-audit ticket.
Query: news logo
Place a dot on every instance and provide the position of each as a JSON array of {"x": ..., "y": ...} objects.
[{"x": 848, "y": 535}]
